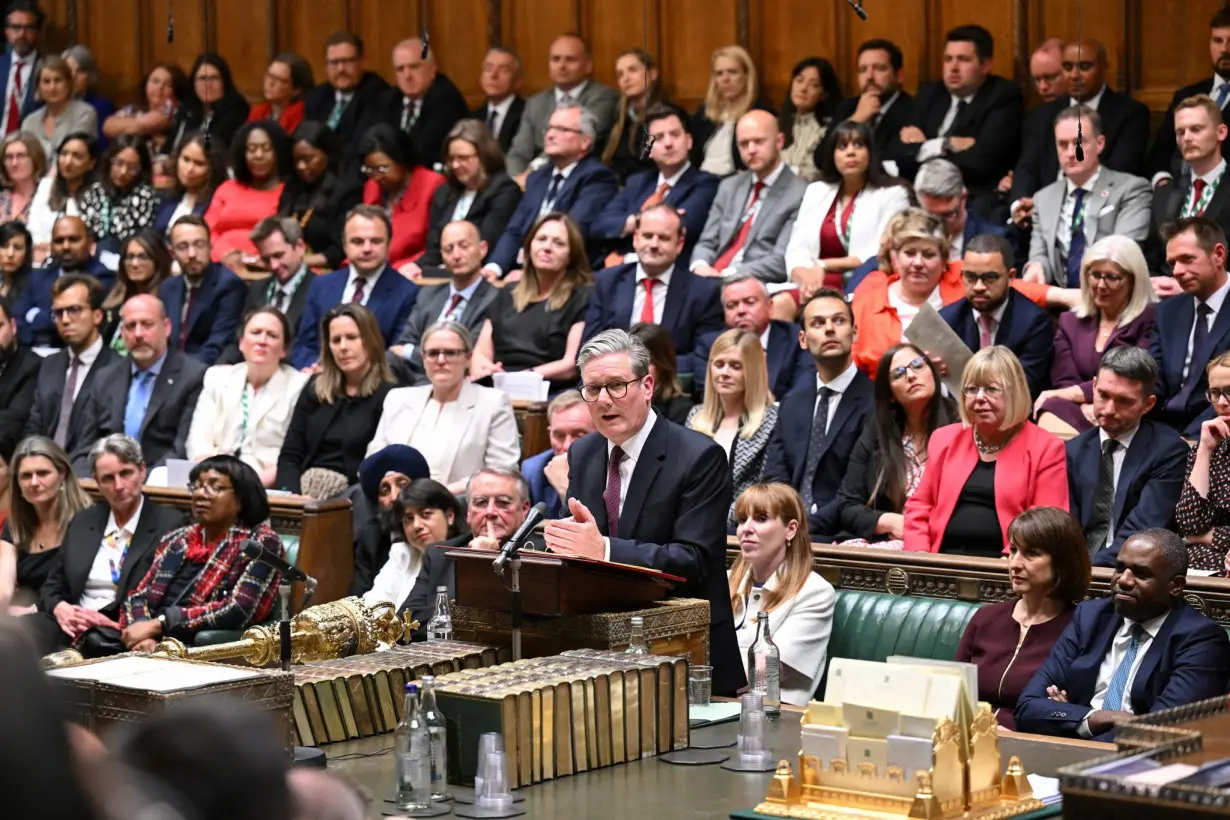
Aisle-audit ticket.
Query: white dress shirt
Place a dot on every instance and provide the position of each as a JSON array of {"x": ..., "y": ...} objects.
[
  {"x": 720, "y": 151},
  {"x": 632, "y": 453},
  {"x": 574, "y": 95},
  {"x": 839, "y": 386},
  {"x": 99, "y": 588},
  {"x": 659, "y": 294},
  {"x": 396, "y": 578},
  {"x": 27, "y": 74},
  {"x": 934, "y": 147},
  {"x": 1117, "y": 458},
  {"x": 769, "y": 182},
  {"x": 997, "y": 317},
  {"x": 1215, "y": 303},
  {"x": 369, "y": 286},
  {"x": 1218, "y": 82},
  {"x": 464, "y": 203},
  {"x": 1067, "y": 214},
  {"x": 500, "y": 110},
  {"x": 547, "y": 203},
  {"x": 86, "y": 358},
  {"x": 1212, "y": 178},
  {"x": 672, "y": 181},
  {"x": 1118, "y": 650}
]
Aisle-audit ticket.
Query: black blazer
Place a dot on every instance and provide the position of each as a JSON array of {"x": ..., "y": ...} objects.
[
  {"x": 1164, "y": 155},
  {"x": 311, "y": 420},
  {"x": 858, "y": 518},
  {"x": 508, "y": 128},
  {"x": 227, "y": 116},
  {"x": 673, "y": 520},
  {"x": 1168, "y": 204},
  {"x": 443, "y": 105},
  {"x": 258, "y": 297},
  {"x": 426, "y": 312},
  {"x": 1025, "y": 329},
  {"x": 49, "y": 395},
  {"x": 491, "y": 211},
  {"x": 704, "y": 128},
  {"x": 318, "y": 105},
  {"x": 18, "y": 387},
  {"x": 81, "y": 542},
  {"x": 887, "y": 131}
]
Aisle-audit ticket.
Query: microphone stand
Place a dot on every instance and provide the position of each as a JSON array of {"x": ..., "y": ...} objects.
[
  {"x": 284, "y": 623},
  {"x": 513, "y": 559}
]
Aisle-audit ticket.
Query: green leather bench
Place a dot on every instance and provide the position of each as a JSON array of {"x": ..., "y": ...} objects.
[{"x": 212, "y": 637}]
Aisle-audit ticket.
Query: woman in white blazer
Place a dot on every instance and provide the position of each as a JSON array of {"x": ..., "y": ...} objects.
[
  {"x": 844, "y": 213},
  {"x": 245, "y": 409},
  {"x": 458, "y": 426},
  {"x": 773, "y": 574}
]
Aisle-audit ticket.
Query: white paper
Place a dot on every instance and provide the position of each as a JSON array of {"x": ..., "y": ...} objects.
[
  {"x": 968, "y": 671},
  {"x": 154, "y": 674},
  {"x": 525, "y": 385},
  {"x": 1045, "y": 789},
  {"x": 110, "y": 260},
  {"x": 178, "y": 470},
  {"x": 931, "y": 333}
]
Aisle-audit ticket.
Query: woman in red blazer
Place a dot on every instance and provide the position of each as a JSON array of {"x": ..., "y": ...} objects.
[
  {"x": 399, "y": 182},
  {"x": 986, "y": 471}
]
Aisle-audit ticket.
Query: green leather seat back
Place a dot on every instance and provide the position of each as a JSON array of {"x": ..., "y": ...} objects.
[{"x": 213, "y": 637}]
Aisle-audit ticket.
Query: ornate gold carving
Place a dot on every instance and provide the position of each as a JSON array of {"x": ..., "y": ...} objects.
[
  {"x": 1197, "y": 603},
  {"x": 897, "y": 581}
]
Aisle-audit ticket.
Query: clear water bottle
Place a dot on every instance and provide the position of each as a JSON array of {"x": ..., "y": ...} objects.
[
  {"x": 438, "y": 732},
  {"x": 764, "y": 668},
  {"x": 440, "y": 627},
  {"x": 636, "y": 643},
  {"x": 412, "y": 745}
]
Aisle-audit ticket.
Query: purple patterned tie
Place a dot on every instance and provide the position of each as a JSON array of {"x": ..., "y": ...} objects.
[{"x": 611, "y": 495}]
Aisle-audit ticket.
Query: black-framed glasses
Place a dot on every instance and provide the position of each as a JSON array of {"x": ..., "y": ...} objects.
[
  {"x": 137, "y": 256},
  {"x": 987, "y": 279},
  {"x": 1108, "y": 278},
  {"x": 450, "y": 354},
  {"x": 71, "y": 311},
  {"x": 502, "y": 503},
  {"x": 565, "y": 129},
  {"x": 1217, "y": 394},
  {"x": 916, "y": 364},
  {"x": 209, "y": 490},
  {"x": 616, "y": 390}
]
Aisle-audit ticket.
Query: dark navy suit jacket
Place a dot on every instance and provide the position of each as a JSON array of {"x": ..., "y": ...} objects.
[
  {"x": 166, "y": 210},
  {"x": 583, "y": 195},
  {"x": 1147, "y": 491},
  {"x": 693, "y": 195},
  {"x": 540, "y": 489},
  {"x": 789, "y": 365},
  {"x": 974, "y": 225},
  {"x": 213, "y": 319},
  {"x": 1172, "y": 327},
  {"x": 1025, "y": 329},
  {"x": 29, "y": 102},
  {"x": 390, "y": 302},
  {"x": 32, "y": 310},
  {"x": 1188, "y": 660}
]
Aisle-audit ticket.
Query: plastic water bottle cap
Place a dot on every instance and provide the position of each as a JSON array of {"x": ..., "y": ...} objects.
[{"x": 412, "y": 688}]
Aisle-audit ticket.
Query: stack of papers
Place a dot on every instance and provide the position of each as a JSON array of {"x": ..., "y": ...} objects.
[
  {"x": 154, "y": 674},
  {"x": 525, "y": 385}
]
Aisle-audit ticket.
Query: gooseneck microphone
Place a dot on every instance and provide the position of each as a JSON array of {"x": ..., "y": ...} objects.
[
  {"x": 857, "y": 5},
  {"x": 291, "y": 573},
  {"x": 513, "y": 545}
]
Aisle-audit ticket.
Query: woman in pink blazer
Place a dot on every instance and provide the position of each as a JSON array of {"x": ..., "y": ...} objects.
[{"x": 986, "y": 471}]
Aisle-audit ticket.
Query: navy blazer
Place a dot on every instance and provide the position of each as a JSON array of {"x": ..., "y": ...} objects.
[
  {"x": 583, "y": 195},
  {"x": 693, "y": 307},
  {"x": 788, "y": 448},
  {"x": 390, "y": 302},
  {"x": 1172, "y": 327},
  {"x": 213, "y": 320},
  {"x": 789, "y": 364},
  {"x": 166, "y": 210},
  {"x": 32, "y": 310},
  {"x": 1148, "y": 489},
  {"x": 1025, "y": 329},
  {"x": 29, "y": 102},
  {"x": 1188, "y": 661},
  {"x": 693, "y": 195},
  {"x": 540, "y": 489},
  {"x": 674, "y": 521}
]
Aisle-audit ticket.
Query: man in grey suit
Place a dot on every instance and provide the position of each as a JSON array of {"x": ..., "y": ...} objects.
[
  {"x": 571, "y": 68},
  {"x": 1087, "y": 203},
  {"x": 750, "y": 221},
  {"x": 466, "y": 299}
]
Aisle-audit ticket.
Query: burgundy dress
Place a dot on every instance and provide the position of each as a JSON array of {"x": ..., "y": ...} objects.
[
  {"x": 831, "y": 246},
  {"x": 990, "y": 643}
]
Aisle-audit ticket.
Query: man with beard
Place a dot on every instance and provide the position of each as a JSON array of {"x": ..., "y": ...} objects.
[
  {"x": 23, "y": 23},
  {"x": 994, "y": 313},
  {"x": 206, "y": 302},
  {"x": 19, "y": 368},
  {"x": 72, "y": 251},
  {"x": 382, "y": 477},
  {"x": 1140, "y": 651},
  {"x": 881, "y": 103}
]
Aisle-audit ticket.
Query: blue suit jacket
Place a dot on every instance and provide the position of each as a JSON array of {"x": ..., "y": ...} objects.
[
  {"x": 32, "y": 310},
  {"x": 166, "y": 210},
  {"x": 390, "y": 302},
  {"x": 1188, "y": 660},
  {"x": 29, "y": 103},
  {"x": 213, "y": 320},
  {"x": 693, "y": 307},
  {"x": 1148, "y": 489},
  {"x": 1172, "y": 326},
  {"x": 789, "y": 365},
  {"x": 693, "y": 195},
  {"x": 1025, "y": 329},
  {"x": 584, "y": 194},
  {"x": 540, "y": 489},
  {"x": 787, "y": 456}
]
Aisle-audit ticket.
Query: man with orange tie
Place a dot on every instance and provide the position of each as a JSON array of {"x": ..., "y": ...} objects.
[
  {"x": 676, "y": 182},
  {"x": 1199, "y": 130},
  {"x": 22, "y": 25},
  {"x": 654, "y": 289}
]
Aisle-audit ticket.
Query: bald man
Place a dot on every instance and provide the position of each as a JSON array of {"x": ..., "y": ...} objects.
[
  {"x": 72, "y": 251},
  {"x": 753, "y": 209},
  {"x": 1125, "y": 122},
  {"x": 1046, "y": 71},
  {"x": 424, "y": 103}
]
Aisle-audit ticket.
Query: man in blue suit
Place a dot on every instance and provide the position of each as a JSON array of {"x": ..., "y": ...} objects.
[
  {"x": 368, "y": 281},
  {"x": 205, "y": 303},
  {"x": 1141, "y": 651},
  {"x": 1125, "y": 474},
  {"x": 747, "y": 306},
  {"x": 818, "y": 424},
  {"x": 656, "y": 290},
  {"x": 23, "y": 23},
  {"x": 547, "y": 473},
  {"x": 72, "y": 251},
  {"x": 675, "y": 181},
  {"x": 1192, "y": 328},
  {"x": 993, "y": 313},
  {"x": 573, "y": 181}
]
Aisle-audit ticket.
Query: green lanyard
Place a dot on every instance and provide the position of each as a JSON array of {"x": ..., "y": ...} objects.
[
  {"x": 245, "y": 404},
  {"x": 1195, "y": 207},
  {"x": 290, "y": 289}
]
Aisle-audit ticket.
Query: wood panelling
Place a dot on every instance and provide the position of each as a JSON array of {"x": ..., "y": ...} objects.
[
  {"x": 306, "y": 33},
  {"x": 776, "y": 46},
  {"x": 459, "y": 35},
  {"x": 525, "y": 31},
  {"x": 686, "y": 49},
  {"x": 1170, "y": 47}
]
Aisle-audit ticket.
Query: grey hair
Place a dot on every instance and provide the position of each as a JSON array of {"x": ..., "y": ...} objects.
[
  {"x": 740, "y": 278},
  {"x": 452, "y": 327},
  {"x": 1172, "y": 545},
  {"x": 84, "y": 58},
  {"x": 589, "y": 122},
  {"x": 523, "y": 486},
  {"x": 1075, "y": 112},
  {"x": 1131, "y": 363},
  {"x": 609, "y": 342},
  {"x": 126, "y": 448},
  {"x": 939, "y": 178}
]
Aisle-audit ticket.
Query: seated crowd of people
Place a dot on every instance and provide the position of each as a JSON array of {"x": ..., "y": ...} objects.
[{"x": 732, "y": 311}]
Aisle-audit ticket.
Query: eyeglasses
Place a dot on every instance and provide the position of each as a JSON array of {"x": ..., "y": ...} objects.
[
  {"x": 987, "y": 279},
  {"x": 1108, "y": 278},
  {"x": 137, "y": 256},
  {"x": 916, "y": 364},
  {"x": 71, "y": 312},
  {"x": 16, "y": 157},
  {"x": 1217, "y": 394},
  {"x": 565, "y": 129},
  {"x": 377, "y": 171},
  {"x": 209, "y": 490},
  {"x": 501, "y": 502},
  {"x": 338, "y": 62},
  {"x": 946, "y": 216},
  {"x": 453, "y": 158},
  {"x": 449, "y": 354},
  {"x": 616, "y": 390},
  {"x": 992, "y": 391},
  {"x": 28, "y": 28}
]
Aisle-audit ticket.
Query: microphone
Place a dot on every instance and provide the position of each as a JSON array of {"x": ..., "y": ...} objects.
[
  {"x": 292, "y": 573},
  {"x": 513, "y": 545},
  {"x": 426, "y": 38},
  {"x": 1080, "y": 142},
  {"x": 857, "y": 5}
]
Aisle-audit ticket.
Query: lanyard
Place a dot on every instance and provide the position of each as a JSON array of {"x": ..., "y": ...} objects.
[
  {"x": 844, "y": 225},
  {"x": 114, "y": 543},
  {"x": 289, "y": 289},
  {"x": 1195, "y": 206},
  {"x": 245, "y": 407}
]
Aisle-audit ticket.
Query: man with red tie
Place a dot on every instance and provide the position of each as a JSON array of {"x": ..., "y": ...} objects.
[
  {"x": 22, "y": 25},
  {"x": 1199, "y": 130}
]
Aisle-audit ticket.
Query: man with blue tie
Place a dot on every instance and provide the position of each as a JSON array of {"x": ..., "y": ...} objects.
[
  {"x": 204, "y": 303},
  {"x": 547, "y": 473},
  {"x": 1125, "y": 474},
  {"x": 1140, "y": 651},
  {"x": 1190, "y": 329}
]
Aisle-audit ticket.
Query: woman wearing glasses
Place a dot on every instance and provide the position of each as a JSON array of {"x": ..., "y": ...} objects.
[
  {"x": 213, "y": 103},
  {"x": 458, "y": 426},
  {"x": 260, "y": 164},
  {"x": 401, "y": 182},
  {"x": 145, "y": 263},
  {"x": 1116, "y": 310},
  {"x": 425, "y": 512},
  {"x": 123, "y": 200},
  {"x": 287, "y": 78},
  {"x": 1203, "y": 512},
  {"x": 890, "y": 457},
  {"x": 987, "y": 470}
]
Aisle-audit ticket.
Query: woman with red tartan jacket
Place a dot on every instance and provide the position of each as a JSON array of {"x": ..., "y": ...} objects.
[{"x": 200, "y": 578}]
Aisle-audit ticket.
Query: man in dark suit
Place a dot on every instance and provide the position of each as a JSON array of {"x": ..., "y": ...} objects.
[
  {"x": 676, "y": 182},
  {"x": 19, "y": 370},
  {"x": 149, "y": 396},
  {"x": 501, "y": 80},
  {"x": 574, "y": 181},
  {"x": 647, "y": 492},
  {"x": 1190, "y": 329},
  {"x": 368, "y": 281},
  {"x": 72, "y": 251},
  {"x": 1200, "y": 130},
  {"x": 65, "y": 378},
  {"x": 994, "y": 313},
  {"x": 466, "y": 299},
  {"x": 656, "y": 290},
  {"x": 547, "y": 473},
  {"x": 23, "y": 23},
  {"x": 881, "y": 102},
  {"x": 126, "y": 527},
  {"x": 205, "y": 303},
  {"x": 349, "y": 92},
  {"x": 424, "y": 103},
  {"x": 972, "y": 117},
  {"x": 818, "y": 424},
  {"x": 1125, "y": 474},
  {"x": 1141, "y": 651},
  {"x": 746, "y": 305}
]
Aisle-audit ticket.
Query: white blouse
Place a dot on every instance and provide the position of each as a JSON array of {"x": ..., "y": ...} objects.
[
  {"x": 396, "y": 578},
  {"x": 719, "y": 151},
  {"x": 42, "y": 219},
  {"x": 435, "y": 436}
]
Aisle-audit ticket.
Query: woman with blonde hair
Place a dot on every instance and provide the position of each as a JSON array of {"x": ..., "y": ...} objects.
[
  {"x": 23, "y": 161},
  {"x": 733, "y": 91},
  {"x": 738, "y": 412},
  {"x": 773, "y": 574},
  {"x": 1203, "y": 511}
]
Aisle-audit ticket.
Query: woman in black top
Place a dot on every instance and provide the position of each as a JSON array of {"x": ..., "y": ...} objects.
[
  {"x": 316, "y": 196},
  {"x": 16, "y": 259},
  {"x": 123, "y": 200},
  {"x": 212, "y": 89},
  {"x": 636, "y": 74},
  {"x": 733, "y": 91},
  {"x": 145, "y": 263},
  {"x": 669, "y": 398},
  {"x": 339, "y": 408}
]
